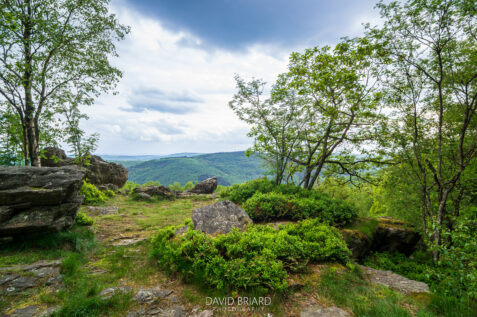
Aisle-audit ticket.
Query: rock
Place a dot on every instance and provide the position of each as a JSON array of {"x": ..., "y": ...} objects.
[
  {"x": 123, "y": 241},
  {"x": 21, "y": 277},
  {"x": 37, "y": 200},
  {"x": 395, "y": 281},
  {"x": 154, "y": 191},
  {"x": 204, "y": 313},
  {"x": 143, "y": 196},
  {"x": 106, "y": 187},
  {"x": 28, "y": 311},
  {"x": 220, "y": 217},
  {"x": 98, "y": 172},
  {"x": 318, "y": 311},
  {"x": 150, "y": 295},
  {"x": 110, "y": 210},
  {"x": 181, "y": 230},
  {"x": 177, "y": 311},
  {"x": 110, "y": 291},
  {"x": 386, "y": 235},
  {"x": 55, "y": 157},
  {"x": 47, "y": 312},
  {"x": 207, "y": 186}
]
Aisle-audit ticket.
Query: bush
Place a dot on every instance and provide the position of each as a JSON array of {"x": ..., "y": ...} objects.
[
  {"x": 239, "y": 193},
  {"x": 257, "y": 259},
  {"x": 92, "y": 195},
  {"x": 129, "y": 187},
  {"x": 83, "y": 220},
  {"x": 278, "y": 206}
]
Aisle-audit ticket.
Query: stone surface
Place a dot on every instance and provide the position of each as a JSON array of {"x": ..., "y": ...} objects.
[
  {"x": 110, "y": 291},
  {"x": 220, "y": 217},
  {"x": 110, "y": 210},
  {"x": 28, "y": 311},
  {"x": 154, "y": 191},
  {"x": 207, "y": 186},
  {"x": 37, "y": 200},
  {"x": 358, "y": 243},
  {"x": 204, "y": 313},
  {"x": 99, "y": 172},
  {"x": 22, "y": 277},
  {"x": 318, "y": 311},
  {"x": 123, "y": 241},
  {"x": 149, "y": 295},
  {"x": 177, "y": 311},
  {"x": 395, "y": 281}
]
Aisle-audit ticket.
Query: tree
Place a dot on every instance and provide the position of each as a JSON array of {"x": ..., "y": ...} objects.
[
  {"x": 51, "y": 48},
  {"x": 430, "y": 49},
  {"x": 320, "y": 115}
]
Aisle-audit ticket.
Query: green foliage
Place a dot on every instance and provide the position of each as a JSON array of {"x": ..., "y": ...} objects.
[
  {"x": 129, "y": 186},
  {"x": 257, "y": 259},
  {"x": 177, "y": 186},
  {"x": 92, "y": 195},
  {"x": 109, "y": 193},
  {"x": 239, "y": 193},
  {"x": 444, "y": 279},
  {"x": 230, "y": 168},
  {"x": 83, "y": 220}
]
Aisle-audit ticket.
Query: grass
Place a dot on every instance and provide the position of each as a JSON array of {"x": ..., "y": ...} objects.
[{"x": 90, "y": 263}]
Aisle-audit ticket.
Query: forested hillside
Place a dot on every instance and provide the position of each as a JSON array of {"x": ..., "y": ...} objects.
[{"x": 230, "y": 168}]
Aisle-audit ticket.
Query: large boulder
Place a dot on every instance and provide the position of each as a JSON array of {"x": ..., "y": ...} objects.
[
  {"x": 38, "y": 200},
  {"x": 147, "y": 192},
  {"x": 220, "y": 217},
  {"x": 108, "y": 175},
  {"x": 383, "y": 234},
  {"x": 207, "y": 186},
  {"x": 100, "y": 172}
]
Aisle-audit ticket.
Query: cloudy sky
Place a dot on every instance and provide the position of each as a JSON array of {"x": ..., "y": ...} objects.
[{"x": 180, "y": 58}]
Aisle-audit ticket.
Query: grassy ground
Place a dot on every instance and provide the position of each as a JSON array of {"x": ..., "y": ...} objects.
[{"x": 90, "y": 263}]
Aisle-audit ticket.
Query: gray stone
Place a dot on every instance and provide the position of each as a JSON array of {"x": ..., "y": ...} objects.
[
  {"x": 150, "y": 295},
  {"x": 395, "y": 281},
  {"x": 318, "y": 311},
  {"x": 207, "y": 186},
  {"x": 220, "y": 217},
  {"x": 154, "y": 191},
  {"x": 110, "y": 291},
  {"x": 127, "y": 241},
  {"x": 50, "y": 310},
  {"x": 108, "y": 210},
  {"x": 36, "y": 200},
  {"x": 204, "y": 313},
  {"x": 28, "y": 311}
]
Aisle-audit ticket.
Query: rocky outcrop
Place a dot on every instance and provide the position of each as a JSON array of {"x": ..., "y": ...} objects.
[
  {"x": 147, "y": 192},
  {"x": 108, "y": 175},
  {"x": 395, "y": 281},
  {"x": 220, "y": 217},
  {"x": 383, "y": 235},
  {"x": 38, "y": 200},
  {"x": 207, "y": 186},
  {"x": 318, "y": 311}
]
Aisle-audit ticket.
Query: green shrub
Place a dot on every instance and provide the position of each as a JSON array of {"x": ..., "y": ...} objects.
[
  {"x": 239, "y": 193},
  {"x": 188, "y": 185},
  {"x": 278, "y": 206},
  {"x": 176, "y": 186},
  {"x": 83, "y": 220},
  {"x": 92, "y": 195},
  {"x": 257, "y": 259},
  {"x": 129, "y": 186},
  {"x": 109, "y": 193}
]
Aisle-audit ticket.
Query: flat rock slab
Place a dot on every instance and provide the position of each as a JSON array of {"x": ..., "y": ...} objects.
[
  {"x": 395, "y": 281},
  {"x": 21, "y": 277},
  {"x": 177, "y": 311},
  {"x": 318, "y": 311},
  {"x": 111, "y": 210},
  {"x": 124, "y": 241},
  {"x": 28, "y": 311}
]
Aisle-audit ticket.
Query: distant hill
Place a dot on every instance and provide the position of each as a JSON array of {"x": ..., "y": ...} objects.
[
  {"x": 144, "y": 157},
  {"x": 229, "y": 167}
]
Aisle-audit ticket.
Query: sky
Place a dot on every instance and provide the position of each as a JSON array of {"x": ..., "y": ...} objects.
[{"x": 180, "y": 59}]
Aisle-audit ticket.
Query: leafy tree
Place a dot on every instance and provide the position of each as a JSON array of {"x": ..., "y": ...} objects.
[
  {"x": 430, "y": 49},
  {"x": 320, "y": 114},
  {"x": 50, "y": 50}
]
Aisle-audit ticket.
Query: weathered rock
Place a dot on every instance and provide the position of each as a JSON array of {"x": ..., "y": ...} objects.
[
  {"x": 204, "y": 313},
  {"x": 21, "y": 277},
  {"x": 154, "y": 311},
  {"x": 318, "y": 311},
  {"x": 101, "y": 211},
  {"x": 395, "y": 281},
  {"x": 100, "y": 172},
  {"x": 149, "y": 295},
  {"x": 106, "y": 187},
  {"x": 386, "y": 235},
  {"x": 109, "y": 175},
  {"x": 207, "y": 186},
  {"x": 28, "y": 311},
  {"x": 154, "y": 191},
  {"x": 220, "y": 217},
  {"x": 110, "y": 291},
  {"x": 50, "y": 310},
  {"x": 123, "y": 241},
  {"x": 38, "y": 200}
]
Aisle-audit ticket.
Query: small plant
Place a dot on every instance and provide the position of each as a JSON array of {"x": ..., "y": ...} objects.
[
  {"x": 83, "y": 220},
  {"x": 92, "y": 195}
]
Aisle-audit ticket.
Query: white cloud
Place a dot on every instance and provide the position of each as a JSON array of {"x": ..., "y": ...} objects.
[{"x": 153, "y": 58}]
